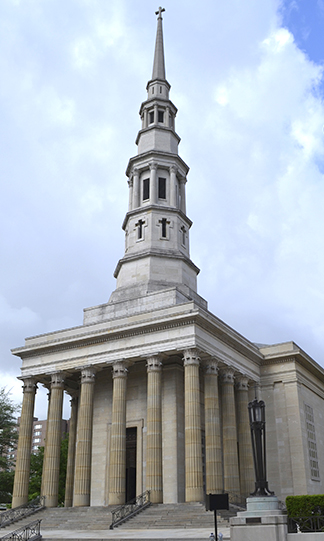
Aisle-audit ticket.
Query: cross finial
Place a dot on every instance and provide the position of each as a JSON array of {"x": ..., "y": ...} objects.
[{"x": 159, "y": 12}]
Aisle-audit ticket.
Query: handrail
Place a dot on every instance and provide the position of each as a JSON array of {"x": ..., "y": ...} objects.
[
  {"x": 129, "y": 509},
  {"x": 29, "y": 532},
  {"x": 24, "y": 510},
  {"x": 306, "y": 524}
]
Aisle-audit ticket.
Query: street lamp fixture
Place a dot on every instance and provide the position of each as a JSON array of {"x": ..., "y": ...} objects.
[{"x": 257, "y": 425}]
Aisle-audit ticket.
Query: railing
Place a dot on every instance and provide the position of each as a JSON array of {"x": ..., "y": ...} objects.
[
  {"x": 131, "y": 508},
  {"x": 30, "y": 532},
  {"x": 12, "y": 515},
  {"x": 306, "y": 524}
]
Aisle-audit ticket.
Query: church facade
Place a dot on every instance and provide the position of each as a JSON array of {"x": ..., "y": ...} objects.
[{"x": 159, "y": 385}]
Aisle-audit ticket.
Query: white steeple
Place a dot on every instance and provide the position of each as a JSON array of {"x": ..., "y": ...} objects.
[{"x": 156, "y": 225}]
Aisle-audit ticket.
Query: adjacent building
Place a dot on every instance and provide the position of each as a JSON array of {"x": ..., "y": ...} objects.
[{"x": 159, "y": 385}]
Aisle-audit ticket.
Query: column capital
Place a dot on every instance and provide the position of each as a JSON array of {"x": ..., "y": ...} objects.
[
  {"x": 130, "y": 181},
  {"x": 228, "y": 375},
  {"x": 212, "y": 367},
  {"x": 153, "y": 165},
  {"x": 29, "y": 385},
  {"x": 182, "y": 180},
  {"x": 57, "y": 380},
  {"x": 173, "y": 169},
  {"x": 191, "y": 357},
  {"x": 88, "y": 374},
  {"x": 119, "y": 369},
  {"x": 242, "y": 382},
  {"x": 154, "y": 363},
  {"x": 135, "y": 171}
]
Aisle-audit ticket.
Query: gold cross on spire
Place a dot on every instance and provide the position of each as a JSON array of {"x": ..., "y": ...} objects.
[{"x": 159, "y": 12}]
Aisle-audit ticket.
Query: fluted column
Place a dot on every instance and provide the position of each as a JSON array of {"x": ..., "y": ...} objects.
[
  {"x": 69, "y": 483},
  {"x": 244, "y": 437},
  {"x": 193, "y": 450},
  {"x": 173, "y": 186},
  {"x": 20, "y": 489},
  {"x": 154, "y": 429},
  {"x": 51, "y": 465},
  {"x": 82, "y": 475},
  {"x": 153, "y": 183},
  {"x": 136, "y": 189},
  {"x": 117, "y": 465},
  {"x": 130, "y": 194},
  {"x": 231, "y": 468},
  {"x": 213, "y": 451}
]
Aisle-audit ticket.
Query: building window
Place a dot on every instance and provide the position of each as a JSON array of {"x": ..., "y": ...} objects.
[
  {"x": 311, "y": 443},
  {"x": 38, "y": 433},
  {"x": 162, "y": 188},
  {"x": 160, "y": 89},
  {"x": 36, "y": 440},
  {"x": 151, "y": 117},
  {"x": 153, "y": 90},
  {"x": 146, "y": 189},
  {"x": 161, "y": 116},
  {"x": 36, "y": 427}
]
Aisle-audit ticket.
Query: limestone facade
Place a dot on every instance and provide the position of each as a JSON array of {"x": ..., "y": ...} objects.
[{"x": 159, "y": 385}]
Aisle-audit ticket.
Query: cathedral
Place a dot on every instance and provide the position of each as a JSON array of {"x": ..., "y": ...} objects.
[{"x": 159, "y": 385}]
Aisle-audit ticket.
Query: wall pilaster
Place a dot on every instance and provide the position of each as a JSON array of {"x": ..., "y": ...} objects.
[{"x": 21, "y": 482}]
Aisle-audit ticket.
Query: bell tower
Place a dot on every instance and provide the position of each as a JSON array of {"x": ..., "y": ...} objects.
[{"x": 156, "y": 225}]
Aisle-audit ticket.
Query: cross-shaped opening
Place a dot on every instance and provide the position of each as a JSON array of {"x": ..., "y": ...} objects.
[{"x": 139, "y": 226}]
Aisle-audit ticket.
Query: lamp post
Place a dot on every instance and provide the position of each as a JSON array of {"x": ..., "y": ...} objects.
[{"x": 257, "y": 425}]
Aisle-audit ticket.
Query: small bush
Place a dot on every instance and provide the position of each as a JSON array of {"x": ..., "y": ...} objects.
[{"x": 305, "y": 506}]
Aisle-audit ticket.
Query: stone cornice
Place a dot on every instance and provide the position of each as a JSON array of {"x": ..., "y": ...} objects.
[
  {"x": 159, "y": 208},
  {"x": 155, "y": 253},
  {"x": 163, "y": 158}
]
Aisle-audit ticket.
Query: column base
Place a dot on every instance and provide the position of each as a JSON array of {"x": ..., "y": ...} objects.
[
  {"x": 116, "y": 499},
  {"x": 156, "y": 496},
  {"x": 194, "y": 495},
  {"x": 81, "y": 500},
  {"x": 19, "y": 500},
  {"x": 51, "y": 501}
]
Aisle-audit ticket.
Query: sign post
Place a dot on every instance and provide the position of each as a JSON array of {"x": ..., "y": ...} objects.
[{"x": 216, "y": 502}]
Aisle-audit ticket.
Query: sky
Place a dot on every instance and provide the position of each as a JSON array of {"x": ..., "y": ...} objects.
[{"x": 247, "y": 78}]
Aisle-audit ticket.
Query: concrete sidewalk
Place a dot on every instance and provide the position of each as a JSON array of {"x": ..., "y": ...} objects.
[{"x": 178, "y": 534}]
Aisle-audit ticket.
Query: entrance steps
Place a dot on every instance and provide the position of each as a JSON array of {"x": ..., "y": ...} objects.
[{"x": 159, "y": 521}]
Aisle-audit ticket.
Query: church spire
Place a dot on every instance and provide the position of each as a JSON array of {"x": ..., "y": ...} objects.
[{"x": 158, "y": 64}]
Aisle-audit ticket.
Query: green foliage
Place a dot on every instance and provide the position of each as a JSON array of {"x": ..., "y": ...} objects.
[
  {"x": 305, "y": 506},
  {"x": 8, "y": 442},
  {"x": 36, "y": 468}
]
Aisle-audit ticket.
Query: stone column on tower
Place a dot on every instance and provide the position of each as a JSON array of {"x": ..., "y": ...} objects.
[
  {"x": 154, "y": 429},
  {"x": 136, "y": 189},
  {"x": 20, "y": 489},
  {"x": 193, "y": 449},
  {"x": 82, "y": 476},
  {"x": 231, "y": 467},
  {"x": 244, "y": 436},
  {"x": 69, "y": 483},
  {"x": 51, "y": 466},
  {"x": 213, "y": 451},
  {"x": 183, "y": 194},
  {"x": 173, "y": 186},
  {"x": 117, "y": 465},
  {"x": 130, "y": 195},
  {"x": 153, "y": 183},
  {"x": 45, "y": 439}
]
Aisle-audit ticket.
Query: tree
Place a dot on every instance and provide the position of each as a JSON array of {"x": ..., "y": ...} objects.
[{"x": 8, "y": 443}]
